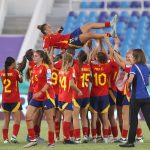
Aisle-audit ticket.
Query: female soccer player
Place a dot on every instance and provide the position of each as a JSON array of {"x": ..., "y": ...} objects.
[
  {"x": 81, "y": 103},
  {"x": 140, "y": 97},
  {"x": 113, "y": 88},
  {"x": 99, "y": 102},
  {"x": 11, "y": 98},
  {"x": 55, "y": 82},
  {"x": 37, "y": 118},
  {"x": 77, "y": 38},
  {"x": 65, "y": 96},
  {"x": 43, "y": 96}
]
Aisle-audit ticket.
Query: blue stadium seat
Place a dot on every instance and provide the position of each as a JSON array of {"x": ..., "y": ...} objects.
[
  {"x": 113, "y": 13},
  {"x": 114, "y": 4},
  {"x": 135, "y": 4},
  {"x": 147, "y": 4},
  {"x": 101, "y": 4},
  {"x": 146, "y": 13},
  {"x": 125, "y": 4},
  {"x": 135, "y": 13},
  {"x": 84, "y": 4},
  {"x": 94, "y": 5}
]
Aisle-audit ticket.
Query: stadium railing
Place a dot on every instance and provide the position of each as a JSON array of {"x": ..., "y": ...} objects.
[
  {"x": 3, "y": 12},
  {"x": 38, "y": 17}
]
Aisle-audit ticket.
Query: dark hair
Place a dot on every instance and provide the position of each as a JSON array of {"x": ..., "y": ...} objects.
[
  {"x": 102, "y": 57},
  {"x": 42, "y": 28},
  {"x": 45, "y": 57},
  {"x": 8, "y": 62},
  {"x": 82, "y": 56},
  {"x": 57, "y": 57},
  {"x": 71, "y": 51},
  {"x": 139, "y": 56},
  {"x": 67, "y": 58},
  {"x": 28, "y": 56}
]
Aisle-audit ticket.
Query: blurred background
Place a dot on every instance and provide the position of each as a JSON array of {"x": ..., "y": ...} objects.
[{"x": 19, "y": 20}]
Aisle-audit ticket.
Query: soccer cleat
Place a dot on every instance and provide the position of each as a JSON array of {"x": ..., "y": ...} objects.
[
  {"x": 85, "y": 139},
  {"x": 114, "y": 26},
  {"x": 139, "y": 140},
  {"x": 127, "y": 145},
  {"x": 30, "y": 144},
  {"x": 113, "y": 140},
  {"x": 105, "y": 140},
  {"x": 68, "y": 142},
  {"x": 57, "y": 139},
  {"x": 121, "y": 140},
  {"x": 40, "y": 140},
  {"x": 99, "y": 139},
  {"x": 13, "y": 140},
  {"x": 51, "y": 145},
  {"x": 93, "y": 140},
  {"x": 27, "y": 139},
  {"x": 6, "y": 141},
  {"x": 77, "y": 141}
]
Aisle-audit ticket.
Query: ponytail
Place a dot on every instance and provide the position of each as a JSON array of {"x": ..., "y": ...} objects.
[
  {"x": 82, "y": 56},
  {"x": 42, "y": 28},
  {"x": 67, "y": 58},
  {"x": 8, "y": 62}
]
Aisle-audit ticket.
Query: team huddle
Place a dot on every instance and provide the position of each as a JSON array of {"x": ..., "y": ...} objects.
[{"x": 64, "y": 87}]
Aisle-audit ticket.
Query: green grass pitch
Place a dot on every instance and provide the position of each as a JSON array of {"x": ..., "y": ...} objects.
[{"x": 59, "y": 146}]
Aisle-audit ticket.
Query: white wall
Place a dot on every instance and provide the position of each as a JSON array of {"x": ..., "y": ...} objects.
[{"x": 21, "y": 7}]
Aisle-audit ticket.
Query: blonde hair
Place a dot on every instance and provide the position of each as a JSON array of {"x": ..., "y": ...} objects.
[{"x": 67, "y": 61}]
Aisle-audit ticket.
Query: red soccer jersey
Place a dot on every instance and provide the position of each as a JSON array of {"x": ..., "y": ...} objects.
[
  {"x": 65, "y": 91},
  {"x": 30, "y": 67},
  {"x": 55, "y": 80},
  {"x": 126, "y": 90},
  {"x": 100, "y": 76},
  {"x": 56, "y": 41},
  {"x": 10, "y": 93},
  {"x": 41, "y": 75},
  {"x": 82, "y": 80},
  {"x": 113, "y": 75}
]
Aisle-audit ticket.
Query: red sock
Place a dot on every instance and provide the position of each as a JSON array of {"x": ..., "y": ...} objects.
[
  {"x": 109, "y": 130},
  {"x": 71, "y": 133},
  {"x": 94, "y": 133},
  {"x": 124, "y": 133},
  {"x": 98, "y": 128},
  {"x": 31, "y": 134},
  {"x": 16, "y": 128},
  {"x": 105, "y": 133},
  {"x": 5, "y": 134},
  {"x": 57, "y": 129},
  {"x": 114, "y": 131},
  {"x": 50, "y": 137},
  {"x": 66, "y": 129},
  {"x": 139, "y": 132},
  {"x": 37, "y": 130},
  {"x": 77, "y": 133},
  {"x": 85, "y": 131},
  {"x": 107, "y": 24},
  {"x": 71, "y": 130}
]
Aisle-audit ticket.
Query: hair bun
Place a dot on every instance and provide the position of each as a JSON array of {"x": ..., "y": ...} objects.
[{"x": 39, "y": 27}]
